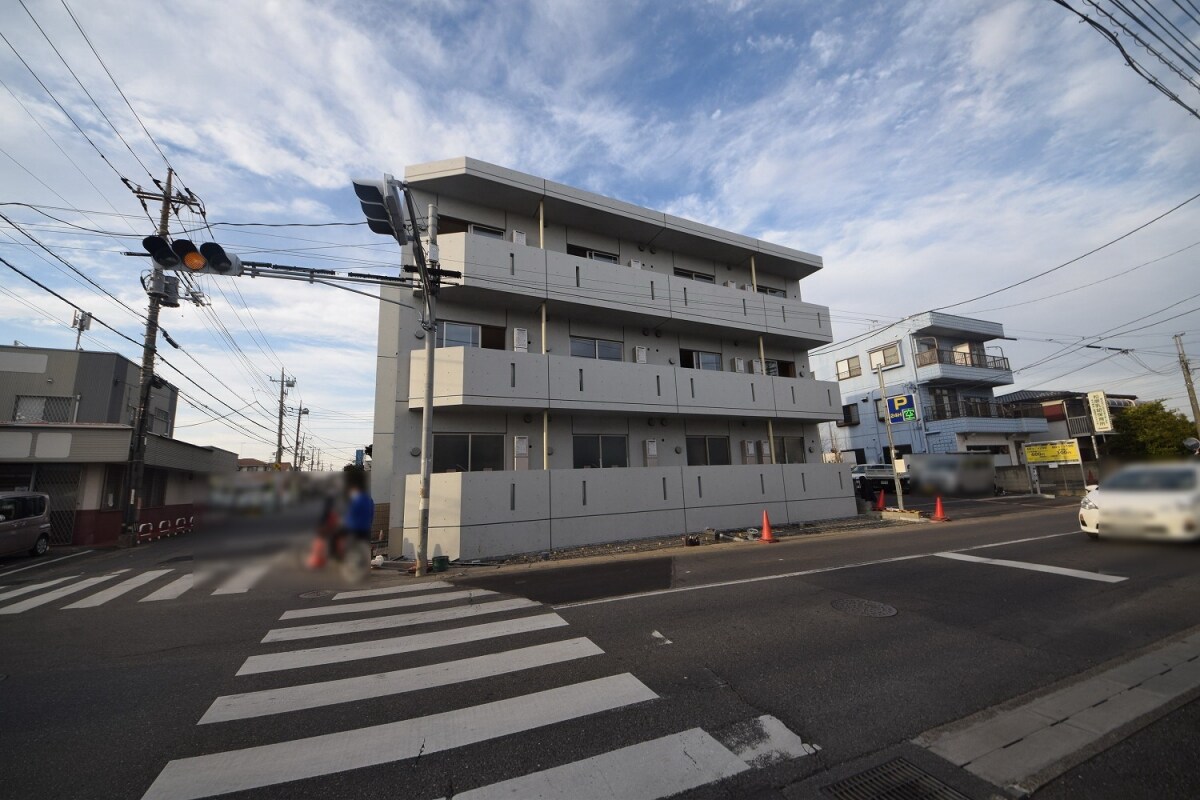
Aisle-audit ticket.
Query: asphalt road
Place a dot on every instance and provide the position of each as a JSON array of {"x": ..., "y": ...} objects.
[{"x": 737, "y": 670}]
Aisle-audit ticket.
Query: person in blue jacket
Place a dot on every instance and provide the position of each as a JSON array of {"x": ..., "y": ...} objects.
[{"x": 360, "y": 508}]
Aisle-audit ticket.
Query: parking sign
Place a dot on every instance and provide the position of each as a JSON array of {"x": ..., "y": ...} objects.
[{"x": 901, "y": 408}]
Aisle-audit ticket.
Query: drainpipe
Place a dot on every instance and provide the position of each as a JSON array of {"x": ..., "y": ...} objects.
[{"x": 762, "y": 359}]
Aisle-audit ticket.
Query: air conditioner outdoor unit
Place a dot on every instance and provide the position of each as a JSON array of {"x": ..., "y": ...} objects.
[
  {"x": 518, "y": 237},
  {"x": 635, "y": 263},
  {"x": 640, "y": 353},
  {"x": 731, "y": 284},
  {"x": 738, "y": 364}
]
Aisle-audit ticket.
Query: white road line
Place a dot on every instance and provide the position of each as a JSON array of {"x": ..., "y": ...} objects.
[
  {"x": 394, "y": 620},
  {"x": 1073, "y": 573},
  {"x": 335, "y": 654},
  {"x": 797, "y": 574},
  {"x": 103, "y": 596},
  {"x": 647, "y": 771},
  {"x": 414, "y": 587},
  {"x": 34, "y": 587},
  {"x": 243, "y": 580},
  {"x": 267, "y": 765},
  {"x": 377, "y": 605},
  {"x": 176, "y": 587},
  {"x": 44, "y": 563},
  {"x": 50, "y": 597},
  {"x": 366, "y": 687}
]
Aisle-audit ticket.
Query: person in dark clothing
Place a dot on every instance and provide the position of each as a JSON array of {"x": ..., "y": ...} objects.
[{"x": 360, "y": 508}]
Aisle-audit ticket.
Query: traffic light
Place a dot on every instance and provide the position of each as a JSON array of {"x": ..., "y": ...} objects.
[
  {"x": 385, "y": 214},
  {"x": 181, "y": 254}
]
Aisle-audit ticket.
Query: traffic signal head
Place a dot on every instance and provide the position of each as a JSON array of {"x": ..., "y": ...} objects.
[
  {"x": 189, "y": 255},
  {"x": 209, "y": 259},
  {"x": 161, "y": 252},
  {"x": 219, "y": 261},
  {"x": 384, "y": 215}
]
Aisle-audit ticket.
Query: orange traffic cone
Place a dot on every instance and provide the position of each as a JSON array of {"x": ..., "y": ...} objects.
[
  {"x": 766, "y": 530},
  {"x": 316, "y": 556},
  {"x": 880, "y": 501},
  {"x": 938, "y": 514}
]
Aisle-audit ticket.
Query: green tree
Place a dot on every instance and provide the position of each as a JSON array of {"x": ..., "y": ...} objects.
[{"x": 1150, "y": 431}]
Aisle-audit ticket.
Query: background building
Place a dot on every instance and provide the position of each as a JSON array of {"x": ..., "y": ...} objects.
[
  {"x": 949, "y": 366},
  {"x": 1068, "y": 417},
  {"x": 605, "y": 372},
  {"x": 65, "y": 426}
]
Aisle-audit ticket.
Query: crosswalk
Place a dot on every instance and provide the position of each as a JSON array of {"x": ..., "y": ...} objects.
[
  {"x": 287, "y": 745},
  {"x": 163, "y": 583}
]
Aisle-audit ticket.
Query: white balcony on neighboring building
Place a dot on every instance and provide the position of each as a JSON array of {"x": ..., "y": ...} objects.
[
  {"x": 471, "y": 376},
  {"x": 532, "y": 275}
]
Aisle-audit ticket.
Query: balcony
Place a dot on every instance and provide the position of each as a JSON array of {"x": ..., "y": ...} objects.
[
  {"x": 469, "y": 376},
  {"x": 985, "y": 416},
  {"x": 530, "y": 275},
  {"x": 953, "y": 366}
]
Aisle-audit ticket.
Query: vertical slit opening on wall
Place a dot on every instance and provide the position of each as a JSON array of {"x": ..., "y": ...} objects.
[
  {"x": 762, "y": 483},
  {"x": 744, "y": 313},
  {"x": 581, "y": 380},
  {"x": 658, "y": 384},
  {"x": 664, "y": 488},
  {"x": 512, "y": 497},
  {"x": 512, "y": 264},
  {"x": 651, "y": 290},
  {"x": 819, "y": 323},
  {"x": 793, "y": 395},
  {"x": 512, "y": 376},
  {"x": 692, "y": 381},
  {"x": 685, "y": 295},
  {"x": 804, "y": 481},
  {"x": 783, "y": 310},
  {"x": 829, "y": 396},
  {"x": 577, "y": 276},
  {"x": 584, "y": 492},
  {"x": 753, "y": 395},
  {"x": 700, "y": 485},
  {"x": 840, "y": 482}
]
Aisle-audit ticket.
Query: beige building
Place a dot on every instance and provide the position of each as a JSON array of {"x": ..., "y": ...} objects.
[{"x": 604, "y": 372}]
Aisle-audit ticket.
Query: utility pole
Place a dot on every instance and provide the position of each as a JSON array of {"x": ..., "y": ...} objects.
[
  {"x": 136, "y": 471},
  {"x": 430, "y": 325},
  {"x": 300, "y": 412},
  {"x": 1187, "y": 380},
  {"x": 285, "y": 383},
  {"x": 891, "y": 442}
]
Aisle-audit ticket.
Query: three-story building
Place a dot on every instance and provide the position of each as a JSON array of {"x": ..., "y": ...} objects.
[{"x": 603, "y": 372}]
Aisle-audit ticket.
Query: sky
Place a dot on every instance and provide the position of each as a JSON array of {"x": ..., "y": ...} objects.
[{"x": 929, "y": 151}]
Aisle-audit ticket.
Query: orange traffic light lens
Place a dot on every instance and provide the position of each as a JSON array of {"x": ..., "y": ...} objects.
[{"x": 194, "y": 261}]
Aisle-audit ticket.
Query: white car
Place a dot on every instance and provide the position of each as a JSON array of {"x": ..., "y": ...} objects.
[{"x": 1152, "y": 501}]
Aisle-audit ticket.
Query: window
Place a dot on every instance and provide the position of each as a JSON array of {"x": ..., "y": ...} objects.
[
  {"x": 11, "y": 509},
  {"x": 849, "y": 415},
  {"x": 603, "y": 349},
  {"x": 486, "y": 230},
  {"x": 468, "y": 452},
  {"x": 601, "y": 452},
  {"x": 887, "y": 357},
  {"x": 771, "y": 291},
  {"x": 33, "y": 408},
  {"x": 155, "y": 488},
  {"x": 849, "y": 368},
  {"x": 694, "y": 276},
  {"x": 114, "y": 487},
  {"x": 594, "y": 255},
  {"x": 789, "y": 449},
  {"x": 700, "y": 359},
  {"x": 465, "y": 334},
  {"x": 708, "y": 451},
  {"x": 781, "y": 369}
]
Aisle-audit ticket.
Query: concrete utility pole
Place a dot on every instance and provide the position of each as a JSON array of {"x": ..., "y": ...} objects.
[
  {"x": 285, "y": 383},
  {"x": 1187, "y": 380},
  {"x": 430, "y": 325},
  {"x": 300, "y": 412},
  {"x": 891, "y": 442},
  {"x": 136, "y": 471}
]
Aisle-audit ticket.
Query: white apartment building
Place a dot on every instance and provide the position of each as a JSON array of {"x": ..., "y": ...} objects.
[{"x": 604, "y": 372}]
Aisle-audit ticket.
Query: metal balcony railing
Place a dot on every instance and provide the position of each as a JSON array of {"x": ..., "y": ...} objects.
[
  {"x": 983, "y": 409},
  {"x": 1079, "y": 426},
  {"x": 960, "y": 359}
]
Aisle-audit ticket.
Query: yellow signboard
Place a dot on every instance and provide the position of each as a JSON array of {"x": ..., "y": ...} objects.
[{"x": 1065, "y": 451}]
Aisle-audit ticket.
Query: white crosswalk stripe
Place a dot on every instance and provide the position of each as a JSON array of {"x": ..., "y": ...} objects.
[
  {"x": 395, "y": 620},
  {"x": 647, "y": 770},
  {"x": 243, "y": 580},
  {"x": 34, "y": 587},
  {"x": 176, "y": 587},
  {"x": 379, "y": 605},
  {"x": 327, "y": 693},
  {"x": 102, "y": 597},
  {"x": 56, "y": 594}
]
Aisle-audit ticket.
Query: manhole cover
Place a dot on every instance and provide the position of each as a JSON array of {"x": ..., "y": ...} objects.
[
  {"x": 863, "y": 608},
  {"x": 895, "y": 780},
  {"x": 321, "y": 593}
]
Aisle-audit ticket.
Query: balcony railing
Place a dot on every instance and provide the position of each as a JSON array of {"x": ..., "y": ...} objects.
[
  {"x": 960, "y": 359},
  {"x": 983, "y": 409},
  {"x": 1079, "y": 426}
]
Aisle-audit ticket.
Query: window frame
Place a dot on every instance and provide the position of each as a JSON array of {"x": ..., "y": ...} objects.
[
  {"x": 771, "y": 291},
  {"x": 850, "y": 371},
  {"x": 600, "y": 440},
  {"x": 899, "y": 362},
  {"x": 708, "y": 453},
  {"x": 471, "y": 465},
  {"x": 488, "y": 231},
  {"x": 595, "y": 348},
  {"x": 61, "y": 403},
  {"x": 692, "y": 275},
  {"x": 849, "y": 419},
  {"x": 694, "y": 356}
]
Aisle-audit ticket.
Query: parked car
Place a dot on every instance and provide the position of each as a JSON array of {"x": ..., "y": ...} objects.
[
  {"x": 877, "y": 476},
  {"x": 1158, "y": 501},
  {"x": 24, "y": 523}
]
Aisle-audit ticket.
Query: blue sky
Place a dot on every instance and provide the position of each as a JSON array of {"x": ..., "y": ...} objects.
[{"x": 929, "y": 151}]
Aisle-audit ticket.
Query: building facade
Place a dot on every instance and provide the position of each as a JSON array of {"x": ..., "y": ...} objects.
[
  {"x": 950, "y": 365},
  {"x": 604, "y": 372},
  {"x": 1068, "y": 416},
  {"x": 65, "y": 429}
]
